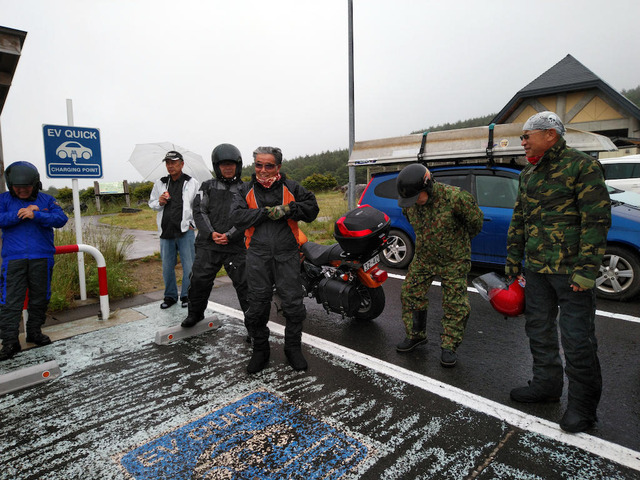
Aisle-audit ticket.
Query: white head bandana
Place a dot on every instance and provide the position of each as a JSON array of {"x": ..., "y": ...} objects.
[{"x": 545, "y": 121}]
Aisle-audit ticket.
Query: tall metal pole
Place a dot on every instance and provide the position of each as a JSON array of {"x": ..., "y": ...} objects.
[
  {"x": 352, "y": 121},
  {"x": 77, "y": 217}
]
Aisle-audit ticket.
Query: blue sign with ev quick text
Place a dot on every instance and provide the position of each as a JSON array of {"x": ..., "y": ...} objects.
[{"x": 72, "y": 152}]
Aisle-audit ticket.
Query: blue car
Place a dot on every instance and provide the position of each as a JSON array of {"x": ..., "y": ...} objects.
[{"x": 495, "y": 189}]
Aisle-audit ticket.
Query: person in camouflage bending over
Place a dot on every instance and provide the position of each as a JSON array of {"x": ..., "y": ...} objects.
[
  {"x": 559, "y": 227},
  {"x": 445, "y": 219}
]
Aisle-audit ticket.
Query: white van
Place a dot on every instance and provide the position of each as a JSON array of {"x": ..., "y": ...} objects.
[{"x": 622, "y": 172}]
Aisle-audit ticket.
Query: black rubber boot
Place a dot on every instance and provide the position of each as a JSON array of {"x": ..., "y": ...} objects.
[
  {"x": 259, "y": 359},
  {"x": 418, "y": 333},
  {"x": 38, "y": 338},
  {"x": 296, "y": 359},
  {"x": 574, "y": 421},
  {"x": 448, "y": 358},
  {"x": 9, "y": 350},
  {"x": 408, "y": 344},
  {"x": 261, "y": 350},
  {"x": 190, "y": 321},
  {"x": 535, "y": 393},
  {"x": 293, "y": 345}
]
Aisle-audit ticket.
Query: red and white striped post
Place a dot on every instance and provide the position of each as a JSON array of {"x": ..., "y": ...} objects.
[
  {"x": 102, "y": 272},
  {"x": 102, "y": 277}
]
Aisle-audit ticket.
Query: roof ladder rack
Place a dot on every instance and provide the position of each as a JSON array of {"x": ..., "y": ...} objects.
[
  {"x": 423, "y": 144},
  {"x": 490, "y": 144}
]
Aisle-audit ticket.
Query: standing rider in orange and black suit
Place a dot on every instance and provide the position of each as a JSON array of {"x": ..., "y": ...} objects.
[{"x": 269, "y": 207}]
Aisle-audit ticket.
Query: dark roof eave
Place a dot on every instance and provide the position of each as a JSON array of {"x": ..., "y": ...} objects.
[
  {"x": 561, "y": 88},
  {"x": 9, "y": 60}
]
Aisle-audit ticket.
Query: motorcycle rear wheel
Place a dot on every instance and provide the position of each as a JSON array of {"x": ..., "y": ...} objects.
[{"x": 372, "y": 303}]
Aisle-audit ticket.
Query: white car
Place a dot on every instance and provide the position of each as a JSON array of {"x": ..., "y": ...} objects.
[
  {"x": 73, "y": 150},
  {"x": 624, "y": 196},
  {"x": 622, "y": 173}
]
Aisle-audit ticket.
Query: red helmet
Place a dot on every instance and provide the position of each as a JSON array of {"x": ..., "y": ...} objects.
[
  {"x": 506, "y": 298},
  {"x": 509, "y": 302}
]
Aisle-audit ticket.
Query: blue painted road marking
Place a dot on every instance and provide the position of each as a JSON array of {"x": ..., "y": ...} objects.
[{"x": 258, "y": 436}]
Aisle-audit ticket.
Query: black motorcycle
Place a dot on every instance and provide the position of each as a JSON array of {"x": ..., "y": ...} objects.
[{"x": 344, "y": 277}]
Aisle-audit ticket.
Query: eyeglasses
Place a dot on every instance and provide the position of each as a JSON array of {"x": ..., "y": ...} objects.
[
  {"x": 266, "y": 166},
  {"x": 527, "y": 135}
]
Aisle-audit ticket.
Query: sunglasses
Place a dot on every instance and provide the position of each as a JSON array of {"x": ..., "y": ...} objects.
[
  {"x": 266, "y": 166},
  {"x": 527, "y": 135}
]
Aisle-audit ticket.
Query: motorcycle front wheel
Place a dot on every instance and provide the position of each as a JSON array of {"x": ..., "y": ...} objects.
[{"x": 371, "y": 304}]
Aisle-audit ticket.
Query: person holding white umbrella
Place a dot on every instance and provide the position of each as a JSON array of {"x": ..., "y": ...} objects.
[{"x": 172, "y": 197}]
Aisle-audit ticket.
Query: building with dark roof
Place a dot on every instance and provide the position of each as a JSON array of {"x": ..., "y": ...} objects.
[
  {"x": 11, "y": 42},
  {"x": 581, "y": 99}
]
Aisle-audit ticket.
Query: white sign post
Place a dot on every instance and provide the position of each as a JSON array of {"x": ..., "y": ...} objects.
[
  {"x": 77, "y": 216},
  {"x": 73, "y": 152}
]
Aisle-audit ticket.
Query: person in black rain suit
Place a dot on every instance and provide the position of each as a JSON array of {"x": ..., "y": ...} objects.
[{"x": 218, "y": 242}]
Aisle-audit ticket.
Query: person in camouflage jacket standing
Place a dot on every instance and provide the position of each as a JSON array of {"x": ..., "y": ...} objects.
[
  {"x": 559, "y": 227},
  {"x": 445, "y": 219}
]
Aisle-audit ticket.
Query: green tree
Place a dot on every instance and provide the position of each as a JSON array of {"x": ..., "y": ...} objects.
[
  {"x": 471, "y": 122},
  {"x": 142, "y": 192},
  {"x": 65, "y": 196},
  {"x": 319, "y": 183},
  {"x": 633, "y": 95},
  {"x": 53, "y": 191},
  {"x": 87, "y": 195}
]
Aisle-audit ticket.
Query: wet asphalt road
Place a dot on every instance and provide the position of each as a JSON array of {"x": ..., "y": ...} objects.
[
  {"x": 494, "y": 356},
  {"x": 125, "y": 407},
  {"x": 125, "y": 404}
]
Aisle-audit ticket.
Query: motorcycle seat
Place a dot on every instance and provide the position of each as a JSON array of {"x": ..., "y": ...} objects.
[{"x": 322, "y": 254}]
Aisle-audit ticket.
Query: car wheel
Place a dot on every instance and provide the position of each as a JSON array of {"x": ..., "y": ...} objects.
[
  {"x": 400, "y": 253},
  {"x": 619, "y": 277},
  {"x": 62, "y": 154}
]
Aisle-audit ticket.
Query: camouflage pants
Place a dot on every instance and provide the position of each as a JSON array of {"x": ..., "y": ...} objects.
[{"x": 455, "y": 303}]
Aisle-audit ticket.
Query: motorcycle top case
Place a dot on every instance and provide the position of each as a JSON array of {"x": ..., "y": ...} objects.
[{"x": 362, "y": 229}]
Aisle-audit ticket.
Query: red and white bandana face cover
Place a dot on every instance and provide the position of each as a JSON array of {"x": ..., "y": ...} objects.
[{"x": 266, "y": 183}]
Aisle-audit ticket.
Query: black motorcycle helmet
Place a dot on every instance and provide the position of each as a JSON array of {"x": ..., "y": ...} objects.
[
  {"x": 225, "y": 152},
  {"x": 410, "y": 182},
  {"x": 23, "y": 173}
]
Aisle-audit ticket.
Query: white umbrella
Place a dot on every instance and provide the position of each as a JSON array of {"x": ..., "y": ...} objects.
[{"x": 147, "y": 159}]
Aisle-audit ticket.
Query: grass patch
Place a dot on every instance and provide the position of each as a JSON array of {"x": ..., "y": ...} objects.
[
  {"x": 113, "y": 243},
  {"x": 332, "y": 205},
  {"x": 145, "y": 219}
]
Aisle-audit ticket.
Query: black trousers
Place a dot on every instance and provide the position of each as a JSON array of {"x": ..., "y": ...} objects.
[
  {"x": 206, "y": 266},
  {"x": 264, "y": 270},
  {"x": 16, "y": 276},
  {"x": 546, "y": 296}
]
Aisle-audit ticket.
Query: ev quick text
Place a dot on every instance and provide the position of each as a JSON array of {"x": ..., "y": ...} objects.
[{"x": 77, "y": 134}]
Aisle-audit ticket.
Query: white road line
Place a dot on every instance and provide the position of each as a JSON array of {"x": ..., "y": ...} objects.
[
  {"x": 601, "y": 313},
  {"x": 611, "y": 451},
  {"x": 618, "y": 316}
]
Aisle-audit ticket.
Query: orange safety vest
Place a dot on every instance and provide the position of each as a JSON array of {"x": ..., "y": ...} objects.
[{"x": 287, "y": 197}]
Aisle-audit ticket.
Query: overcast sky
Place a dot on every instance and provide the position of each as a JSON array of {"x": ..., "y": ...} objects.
[{"x": 256, "y": 72}]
